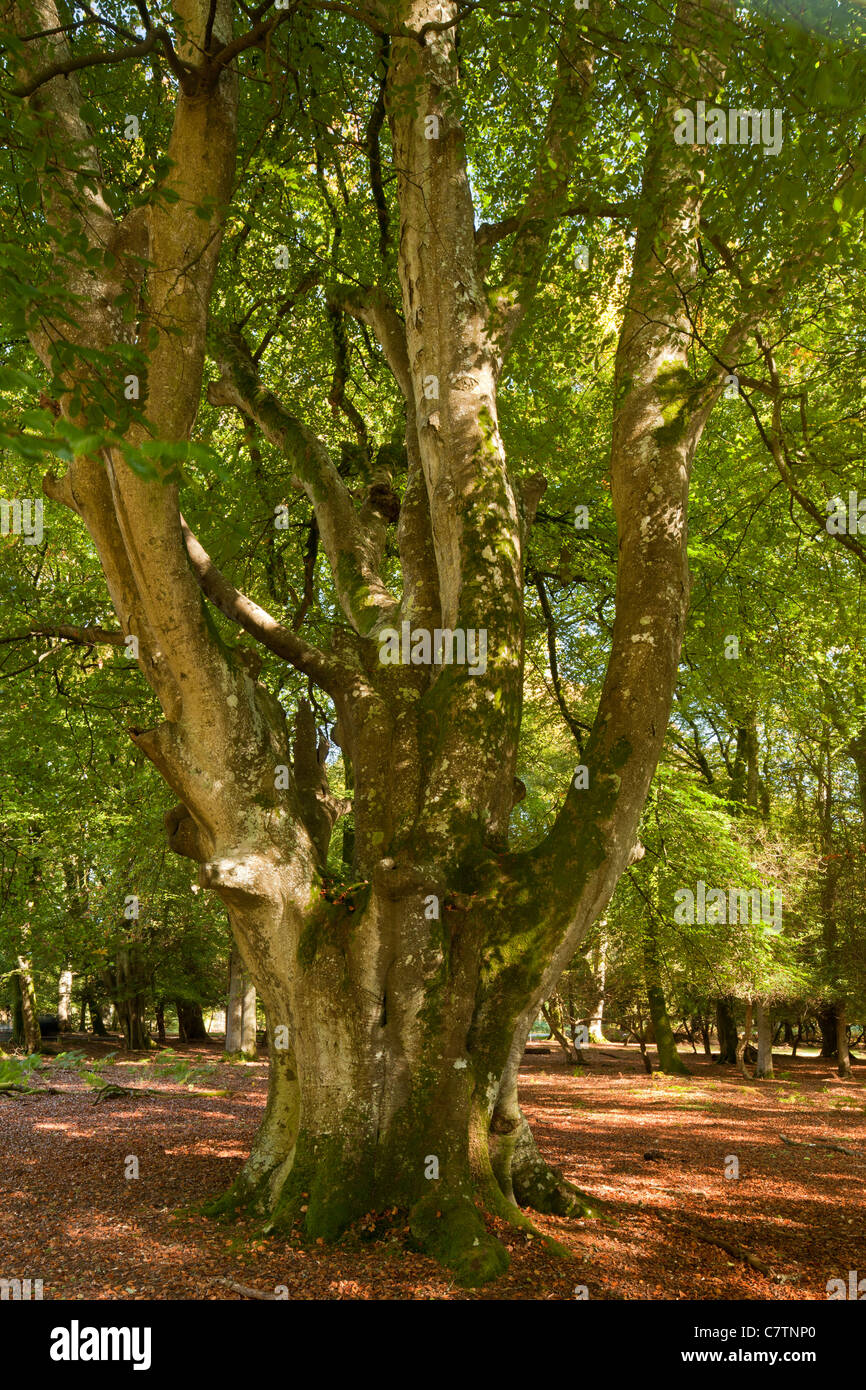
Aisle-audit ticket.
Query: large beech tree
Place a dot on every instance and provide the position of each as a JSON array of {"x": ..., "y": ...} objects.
[{"x": 398, "y": 1010}]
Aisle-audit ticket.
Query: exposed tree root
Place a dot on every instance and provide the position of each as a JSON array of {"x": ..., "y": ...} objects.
[
  {"x": 451, "y": 1229},
  {"x": 543, "y": 1188},
  {"x": 15, "y": 1090},
  {"x": 736, "y": 1250},
  {"x": 824, "y": 1144}
]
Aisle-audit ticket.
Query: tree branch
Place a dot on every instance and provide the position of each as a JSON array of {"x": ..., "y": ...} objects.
[
  {"x": 256, "y": 620},
  {"x": 75, "y": 63},
  {"x": 81, "y": 636},
  {"x": 352, "y": 548}
]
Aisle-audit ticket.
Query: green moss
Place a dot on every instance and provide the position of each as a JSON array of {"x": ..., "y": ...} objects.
[
  {"x": 350, "y": 581},
  {"x": 452, "y": 1230},
  {"x": 676, "y": 394},
  {"x": 329, "y": 923}
]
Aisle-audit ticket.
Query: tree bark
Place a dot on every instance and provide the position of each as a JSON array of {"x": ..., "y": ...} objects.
[
  {"x": 743, "y": 1042},
  {"x": 64, "y": 1001},
  {"x": 726, "y": 1030},
  {"x": 190, "y": 1021},
  {"x": 598, "y": 965},
  {"x": 127, "y": 982},
  {"x": 764, "y": 1064},
  {"x": 241, "y": 1010},
  {"x": 842, "y": 1053},
  {"x": 25, "y": 1020},
  {"x": 97, "y": 1022},
  {"x": 828, "y": 1022},
  {"x": 670, "y": 1061},
  {"x": 552, "y": 1013}
]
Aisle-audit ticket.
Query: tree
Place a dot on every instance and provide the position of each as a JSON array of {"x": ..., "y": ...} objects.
[
  {"x": 241, "y": 1011},
  {"x": 410, "y": 990}
]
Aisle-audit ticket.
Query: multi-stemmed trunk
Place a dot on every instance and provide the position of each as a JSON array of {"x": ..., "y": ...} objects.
[{"x": 397, "y": 1009}]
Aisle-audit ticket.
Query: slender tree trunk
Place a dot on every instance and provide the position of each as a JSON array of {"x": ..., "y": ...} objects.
[
  {"x": 726, "y": 1030},
  {"x": 553, "y": 1016},
  {"x": 241, "y": 1011},
  {"x": 64, "y": 1001},
  {"x": 670, "y": 1061},
  {"x": 706, "y": 1036},
  {"x": 764, "y": 1065},
  {"x": 599, "y": 975},
  {"x": 842, "y": 1053},
  {"x": 160, "y": 1020},
  {"x": 743, "y": 1042},
  {"x": 97, "y": 1022}
]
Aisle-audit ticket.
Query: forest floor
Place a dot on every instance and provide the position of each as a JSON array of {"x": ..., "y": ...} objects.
[{"x": 70, "y": 1216}]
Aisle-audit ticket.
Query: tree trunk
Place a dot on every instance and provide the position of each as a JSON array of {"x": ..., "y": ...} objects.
[
  {"x": 599, "y": 974},
  {"x": 160, "y": 1021},
  {"x": 726, "y": 1030},
  {"x": 64, "y": 1001},
  {"x": 842, "y": 1052},
  {"x": 241, "y": 1011},
  {"x": 796, "y": 1042},
  {"x": 552, "y": 1014},
  {"x": 97, "y": 1022},
  {"x": 190, "y": 1021},
  {"x": 743, "y": 1042},
  {"x": 828, "y": 1022},
  {"x": 397, "y": 1008},
  {"x": 128, "y": 985},
  {"x": 670, "y": 1061},
  {"x": 764, "y": 1064},
  {"x": 706, "y": 1036},
  {"x": 25, "y": 1020}
]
